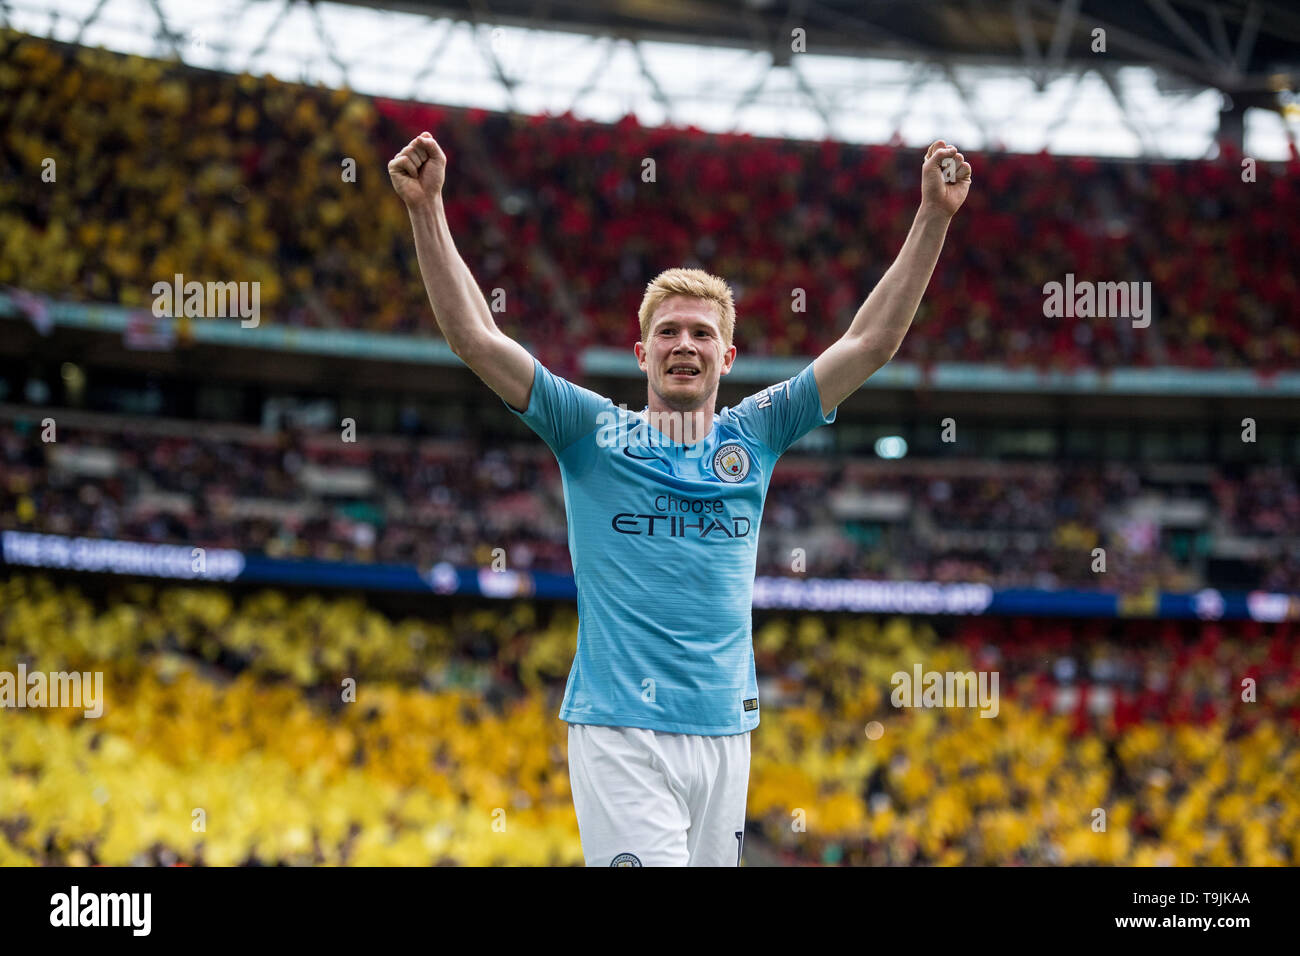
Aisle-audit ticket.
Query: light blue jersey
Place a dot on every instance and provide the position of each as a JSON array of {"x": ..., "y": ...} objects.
[{"x": 664, "y": 540}]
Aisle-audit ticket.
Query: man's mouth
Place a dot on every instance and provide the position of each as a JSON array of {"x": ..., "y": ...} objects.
[{"x": 683, "y": 371}]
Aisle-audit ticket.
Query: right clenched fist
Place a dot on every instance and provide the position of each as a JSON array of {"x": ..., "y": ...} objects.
[{"x": 418, "y": 170}]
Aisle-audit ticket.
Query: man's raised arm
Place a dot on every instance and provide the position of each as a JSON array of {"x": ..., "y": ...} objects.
[
  {"x": 459, "y": 308},
  {"x": 878, "y": 329}
]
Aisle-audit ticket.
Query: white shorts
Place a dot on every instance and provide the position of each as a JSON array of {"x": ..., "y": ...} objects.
[{"x": 646, "y": 798}]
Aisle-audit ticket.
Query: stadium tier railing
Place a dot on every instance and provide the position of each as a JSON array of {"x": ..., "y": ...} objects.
[
  {"x": 21, "y": 549},
  {"x": 604, "y": 361}
]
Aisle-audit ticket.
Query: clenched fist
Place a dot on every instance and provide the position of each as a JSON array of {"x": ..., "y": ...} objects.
[
  {"x": 945, "y": 177},
  {"x": 419, "y": 170}
]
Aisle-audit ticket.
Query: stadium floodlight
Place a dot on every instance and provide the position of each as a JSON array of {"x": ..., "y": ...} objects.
[{"x": 891, "y": 446}]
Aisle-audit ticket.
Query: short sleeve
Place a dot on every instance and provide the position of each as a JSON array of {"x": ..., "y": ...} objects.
[
  {"x": 781, "y": 414},
  {"x": 559, "y": 411}
]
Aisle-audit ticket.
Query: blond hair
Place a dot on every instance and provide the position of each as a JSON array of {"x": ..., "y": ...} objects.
[{"x": 691, "y": 282}]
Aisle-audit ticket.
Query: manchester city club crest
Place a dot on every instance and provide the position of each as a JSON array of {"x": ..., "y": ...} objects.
[
  {"x": 626, "y": 859},
  {"x": 731, "y": 463}
]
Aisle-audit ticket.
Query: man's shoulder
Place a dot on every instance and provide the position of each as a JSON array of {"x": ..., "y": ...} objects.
[{"x": 557, "y": 379}]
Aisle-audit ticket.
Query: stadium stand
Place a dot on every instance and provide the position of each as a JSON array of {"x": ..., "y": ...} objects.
[
  {"x": 217, "y": 176},
  {"x": 234, "y": 707},
  {"x": 230, "y": 701},
  {"x": 403, "y": 500}
]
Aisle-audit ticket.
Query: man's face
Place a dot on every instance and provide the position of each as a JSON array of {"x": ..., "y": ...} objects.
[{"x": 684, "y": 355}]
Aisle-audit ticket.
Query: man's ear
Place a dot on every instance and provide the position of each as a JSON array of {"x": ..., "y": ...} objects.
[
  {"x": 731, "y": 358},
  {"x": 640, "y": 351}
]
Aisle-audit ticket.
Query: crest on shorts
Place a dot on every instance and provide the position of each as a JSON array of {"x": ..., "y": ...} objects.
[
  {"x": 731, "y": 463},
  {"x": 625, "y": 859}
]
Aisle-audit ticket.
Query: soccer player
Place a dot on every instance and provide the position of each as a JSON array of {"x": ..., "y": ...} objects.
[{"x": 663, "y": 510}]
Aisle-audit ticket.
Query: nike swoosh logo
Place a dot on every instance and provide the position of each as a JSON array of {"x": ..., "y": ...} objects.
[{"x": 628, "y": 451}]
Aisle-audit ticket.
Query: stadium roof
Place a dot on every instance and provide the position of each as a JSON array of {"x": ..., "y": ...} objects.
[
  {"x": 1232, "y": 45},
  {"x": 1176, "y": 76}
]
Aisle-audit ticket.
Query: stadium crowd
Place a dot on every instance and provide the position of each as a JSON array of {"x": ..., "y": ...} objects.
[
  {"x": 416, "y": 501},
  {"x": 162, "y": 169},
  {"x": 269, "y": 728},
  {"x": 449, "y": 750}
]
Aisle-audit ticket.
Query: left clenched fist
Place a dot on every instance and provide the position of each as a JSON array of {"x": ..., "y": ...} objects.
[{"x": 945, "y": 177}]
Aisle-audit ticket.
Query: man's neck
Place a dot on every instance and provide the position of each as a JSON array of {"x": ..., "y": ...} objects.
[{"x": 684, "y": 428}]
